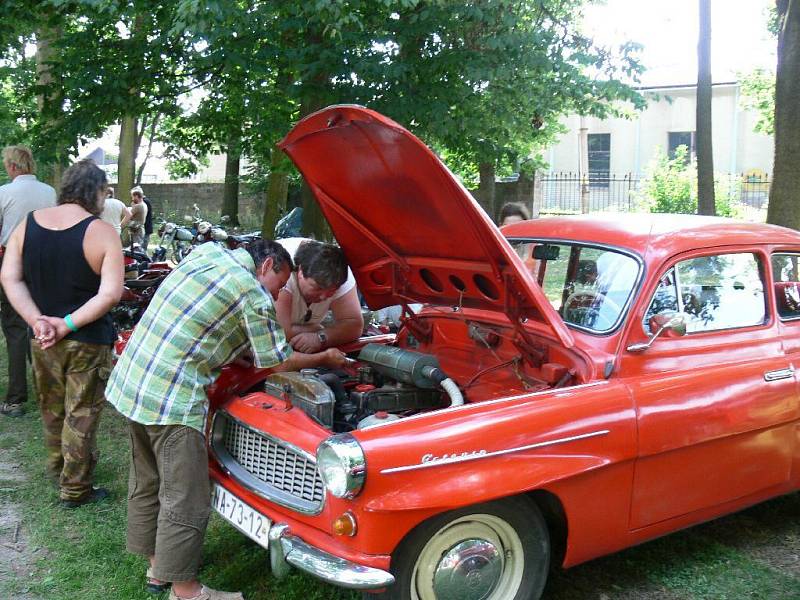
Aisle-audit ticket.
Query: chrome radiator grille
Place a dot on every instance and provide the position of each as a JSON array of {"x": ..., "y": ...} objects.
[{"x": 272, "y": 468}]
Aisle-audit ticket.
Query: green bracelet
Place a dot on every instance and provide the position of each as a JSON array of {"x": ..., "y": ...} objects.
[{"x": 70, "y": 324}]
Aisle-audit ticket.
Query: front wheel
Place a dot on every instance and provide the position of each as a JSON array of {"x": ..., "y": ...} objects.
[{"x": 498, "y": 550}]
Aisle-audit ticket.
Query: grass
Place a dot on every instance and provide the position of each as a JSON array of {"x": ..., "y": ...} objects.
[{"x": 81, "y": 553}]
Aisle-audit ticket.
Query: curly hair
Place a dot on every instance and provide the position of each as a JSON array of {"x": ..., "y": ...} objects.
[
  {"x": 81, "y": 184},
  {"x": 261, "y": 250},
  {"x": 324, "y": 263}
]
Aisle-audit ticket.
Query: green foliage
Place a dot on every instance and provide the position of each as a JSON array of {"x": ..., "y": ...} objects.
[
  {"x": 483, "y": 81},
  {"x": 758, "y": 94},
  {"x": 670, "y": 186}
]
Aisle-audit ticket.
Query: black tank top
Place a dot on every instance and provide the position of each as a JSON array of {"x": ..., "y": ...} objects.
[{"x": 59, "y": 278}]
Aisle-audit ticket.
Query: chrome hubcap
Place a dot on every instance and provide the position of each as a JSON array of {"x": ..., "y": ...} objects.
[
  {"x": 468, "y": 571},
  {"x": 475, "y": 557}
]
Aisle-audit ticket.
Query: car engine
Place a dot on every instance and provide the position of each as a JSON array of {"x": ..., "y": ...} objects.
[{"x": 389, "y": 383}]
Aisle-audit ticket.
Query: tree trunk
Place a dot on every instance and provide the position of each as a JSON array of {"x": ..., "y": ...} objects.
[
  {"x": 486, "y": 189},
  {"x": 277, "y": 192},
  {"x": 705, "y": 158},
  {"x": 230, "y": 197},
  {"x": 784, "y": 208},
  {"x": 153, "y": 125},
  {"x": 525, "y": 192},
  {"x": 49, "y": 105},
  {"x": 126, "y": 163}
]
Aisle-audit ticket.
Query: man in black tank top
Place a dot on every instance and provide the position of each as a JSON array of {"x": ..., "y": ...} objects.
[{"x": 63, "y": 272}]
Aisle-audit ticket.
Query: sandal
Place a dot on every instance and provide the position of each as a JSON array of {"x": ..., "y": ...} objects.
[
  {"x": 153, "y": 585},
  {"x": 209, "y": 594}
]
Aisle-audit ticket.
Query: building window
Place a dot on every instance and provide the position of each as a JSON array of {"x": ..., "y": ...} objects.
[
  {"x": 682, "y": 138},
  {"x": 599, "y": 159}
]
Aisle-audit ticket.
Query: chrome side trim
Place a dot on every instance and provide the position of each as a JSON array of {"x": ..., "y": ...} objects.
[
  {"x": 244, "y": 478},
  {"x": 461, "y": 459},
  {"x": 287, "y": 548},
  {"x": 779, "y": 374}
]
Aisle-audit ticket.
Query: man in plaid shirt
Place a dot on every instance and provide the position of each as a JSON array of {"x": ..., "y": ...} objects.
[{"x": 213, "y": 307}]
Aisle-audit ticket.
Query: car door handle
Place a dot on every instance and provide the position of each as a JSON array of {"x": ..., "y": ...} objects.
[{"x": 779, "y": 374}]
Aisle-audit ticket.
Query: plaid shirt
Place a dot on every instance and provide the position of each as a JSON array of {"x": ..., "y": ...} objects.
[{"x": 207, "y": 311}]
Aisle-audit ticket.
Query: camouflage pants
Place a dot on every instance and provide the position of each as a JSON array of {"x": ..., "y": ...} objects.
[{"x": 71, "y": 379}]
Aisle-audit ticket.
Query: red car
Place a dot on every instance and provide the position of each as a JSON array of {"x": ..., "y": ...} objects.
[{"x": 573, "y": 386}]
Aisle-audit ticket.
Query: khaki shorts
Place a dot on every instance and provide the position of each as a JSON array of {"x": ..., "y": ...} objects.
[{"x": 169, "y": 498}]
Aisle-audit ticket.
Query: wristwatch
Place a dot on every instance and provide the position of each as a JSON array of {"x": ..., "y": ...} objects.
[{"x": 323, "y": 338}]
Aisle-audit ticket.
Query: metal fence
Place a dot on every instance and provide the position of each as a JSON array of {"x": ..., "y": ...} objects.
[{"x": 569, "y": 193}]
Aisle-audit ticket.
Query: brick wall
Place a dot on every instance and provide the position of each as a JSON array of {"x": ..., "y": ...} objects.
[{"x": 176, "y": 199}]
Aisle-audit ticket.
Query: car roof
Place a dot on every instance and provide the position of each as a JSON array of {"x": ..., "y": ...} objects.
[{"x": 647, "y": 232}]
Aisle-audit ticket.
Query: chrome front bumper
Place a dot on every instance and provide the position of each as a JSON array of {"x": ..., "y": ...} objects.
[{"x": 287, "y": 550}]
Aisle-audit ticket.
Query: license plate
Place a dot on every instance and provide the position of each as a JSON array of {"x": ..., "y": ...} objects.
[{"x": 242, "y": 516}]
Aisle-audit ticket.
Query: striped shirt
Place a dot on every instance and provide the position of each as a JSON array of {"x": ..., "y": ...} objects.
[{"x": 207, "y": 311}]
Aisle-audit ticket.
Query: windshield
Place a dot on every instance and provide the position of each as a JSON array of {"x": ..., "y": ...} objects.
[{"x": 588, "y": 286}]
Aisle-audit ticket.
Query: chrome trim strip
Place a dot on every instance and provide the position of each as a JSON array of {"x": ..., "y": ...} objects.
[
  {"x": 461, "y": 459},
  {"x": 244, "y": 478},
  {"x": 779, "y": 374},
  {"x": 287, "y": 548}
]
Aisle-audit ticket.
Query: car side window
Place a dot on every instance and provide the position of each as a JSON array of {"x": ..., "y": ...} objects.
[
  {"x": 717, "y": 292},
  {"x": 785, "y": 269}
]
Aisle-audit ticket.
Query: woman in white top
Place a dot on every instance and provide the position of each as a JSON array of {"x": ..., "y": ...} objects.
[{"x": 115, "y": 212}]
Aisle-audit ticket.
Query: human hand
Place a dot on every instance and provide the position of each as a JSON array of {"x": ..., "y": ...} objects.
[
  {"x": 44, "y": 333},
  {"x": 334, "y": 358},
  {"x": 244, "y": 360},
  {"x": 307, "y": 342},
  {"x": 50, "y": 330}
]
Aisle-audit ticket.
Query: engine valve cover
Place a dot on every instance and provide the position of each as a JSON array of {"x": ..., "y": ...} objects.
[{"x": 304, "y": 391}]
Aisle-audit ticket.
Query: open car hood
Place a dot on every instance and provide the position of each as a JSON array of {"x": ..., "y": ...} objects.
[{"x": 411, "y": 232}]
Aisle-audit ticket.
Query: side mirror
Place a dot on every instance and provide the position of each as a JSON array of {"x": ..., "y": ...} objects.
[{"x": 674, "y": 323}]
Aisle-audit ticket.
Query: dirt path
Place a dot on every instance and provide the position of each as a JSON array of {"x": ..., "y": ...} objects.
[{"x": 16, "y": 554}]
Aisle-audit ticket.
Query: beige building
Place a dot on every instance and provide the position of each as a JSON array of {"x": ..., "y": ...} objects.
[{"x": 619, "y": 146}]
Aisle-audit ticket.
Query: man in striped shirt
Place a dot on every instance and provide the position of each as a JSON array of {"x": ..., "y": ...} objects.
[{"x": 213, "y": 307}]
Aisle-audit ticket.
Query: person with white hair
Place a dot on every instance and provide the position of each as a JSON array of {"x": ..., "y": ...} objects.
[{"x": 24, "y": 194}]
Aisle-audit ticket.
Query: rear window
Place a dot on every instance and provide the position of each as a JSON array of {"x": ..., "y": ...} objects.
[{"x": 787, "y": 284}]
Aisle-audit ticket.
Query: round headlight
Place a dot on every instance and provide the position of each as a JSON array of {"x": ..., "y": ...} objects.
[{"x": 342, "y": 465}]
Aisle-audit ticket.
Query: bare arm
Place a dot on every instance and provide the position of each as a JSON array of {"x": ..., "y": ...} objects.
[
  {"x": 12, "y": 278},
  {"x": 330, "y": 358},
  {"x": 126, "y": 216},
  {"x": 348, "y": 322}
]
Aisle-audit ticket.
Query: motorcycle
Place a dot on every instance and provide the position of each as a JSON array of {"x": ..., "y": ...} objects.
[
  {"x": 176, "y": 239},
  {"x": 239, "y": 240},
  {"x": 136, "y": 296},
  {"x": 206, "y": 232}
]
